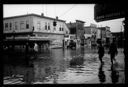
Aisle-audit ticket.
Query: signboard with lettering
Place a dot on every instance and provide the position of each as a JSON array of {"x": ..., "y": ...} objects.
[{"x": 104, "y": 12}]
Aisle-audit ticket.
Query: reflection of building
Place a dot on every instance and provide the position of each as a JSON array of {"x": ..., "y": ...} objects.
[{"x": 34, "y": 27}]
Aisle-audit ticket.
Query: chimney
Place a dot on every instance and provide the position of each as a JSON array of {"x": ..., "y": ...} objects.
[
  {"x": 56, "y": 17},
  {"x": 42, "y": 14}
]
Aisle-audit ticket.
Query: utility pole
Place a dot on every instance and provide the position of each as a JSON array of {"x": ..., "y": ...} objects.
[
  {"x": 125, "y": 34},
  {"x": 121, "y": 39}
]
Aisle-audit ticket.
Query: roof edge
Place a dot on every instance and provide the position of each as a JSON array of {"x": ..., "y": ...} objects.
[{"x": 32, "y": 14}]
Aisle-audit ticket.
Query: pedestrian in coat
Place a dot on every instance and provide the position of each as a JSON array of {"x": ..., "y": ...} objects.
[{"x": 101, "y": 52}]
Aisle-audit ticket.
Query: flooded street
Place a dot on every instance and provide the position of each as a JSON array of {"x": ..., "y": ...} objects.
[{"x": 63, "y": 66}]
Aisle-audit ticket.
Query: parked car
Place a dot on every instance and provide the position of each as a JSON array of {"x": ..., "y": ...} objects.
[{"x": 72, "y": 44}]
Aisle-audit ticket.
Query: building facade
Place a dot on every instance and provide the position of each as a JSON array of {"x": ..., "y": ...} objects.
[
  {"x": 105, "y": 35},
  {"x": 88, "y": 35},
  {"x": 91, "y": 34},
  {"x": 76, "y": 29},
  {"x": 34, "y": 27}
]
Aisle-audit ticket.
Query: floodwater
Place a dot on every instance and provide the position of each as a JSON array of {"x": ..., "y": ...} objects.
[{"x": 63, "y": 66}]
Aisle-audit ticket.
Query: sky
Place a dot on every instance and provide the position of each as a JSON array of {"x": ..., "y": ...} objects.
[{"x": 67, "y": 12}]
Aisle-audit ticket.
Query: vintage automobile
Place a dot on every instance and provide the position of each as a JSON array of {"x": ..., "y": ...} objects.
[{"x": 72, "y": 44}]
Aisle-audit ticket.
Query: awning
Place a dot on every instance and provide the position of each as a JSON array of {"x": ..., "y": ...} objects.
[
  {"x": 30, "y": 39},
  {"x": 41, "y": 39}
]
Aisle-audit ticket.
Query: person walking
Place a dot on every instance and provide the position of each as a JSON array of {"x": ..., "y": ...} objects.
[
  {"x": 100, "y": 51},
  {"x": 113, "y": 51}
]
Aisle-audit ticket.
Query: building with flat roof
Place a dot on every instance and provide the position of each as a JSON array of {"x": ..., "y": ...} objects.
[{"x": 34, "y": 27}]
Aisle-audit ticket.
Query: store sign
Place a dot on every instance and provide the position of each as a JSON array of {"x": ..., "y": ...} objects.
[{"x": 104, "y": 12}]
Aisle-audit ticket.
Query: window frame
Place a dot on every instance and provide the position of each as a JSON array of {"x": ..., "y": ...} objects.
[
  {"x": 27, "y": 24},
  {"x": 10, "y": 26},
  {"x": 39, "y": 25},
  {"x": 46, "y": 26},
  {"x": 60, "y": 28},
  {"x": 16, "y": 25},
  {"x": 22, "y": 25},
  {"x": 6, "y": 26}
]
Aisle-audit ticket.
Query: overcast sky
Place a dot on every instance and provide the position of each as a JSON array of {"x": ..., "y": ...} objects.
[{"x": 67, "y": 12}]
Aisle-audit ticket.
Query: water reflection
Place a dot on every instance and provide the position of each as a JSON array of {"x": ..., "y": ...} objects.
[
  {"x": 77, "y": 60},
  {"x": 114, "y": 74},
  {"x": 48, "y": 69},
  {"x": 55, "y": 66},
  {"x": 101, "y": 74}
]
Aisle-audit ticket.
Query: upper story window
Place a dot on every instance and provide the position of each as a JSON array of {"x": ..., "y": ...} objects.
[
  {"x": 27, "y": 24},
  {"x": 45, "y": 26},
  {"x": 22, "y": 25},
  {"x": 38, "y": 25},
  {"x": 6, "y": 26},
  {"x": 61, "y": 28},
  {"x": 54, "y": 28},
  {"x": 10, "y": 26},
  {"x": 48, "y": 26},
  {"x": 16, "y": 26}
]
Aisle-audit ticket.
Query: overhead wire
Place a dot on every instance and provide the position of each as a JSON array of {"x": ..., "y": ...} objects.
[{"x": 67, "y": 10}]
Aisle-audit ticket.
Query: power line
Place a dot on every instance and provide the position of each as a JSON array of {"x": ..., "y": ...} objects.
[{"x": 67, "y": 11}]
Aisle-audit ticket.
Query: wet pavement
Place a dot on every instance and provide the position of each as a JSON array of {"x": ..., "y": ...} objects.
[{"x": 63, "y": 66}]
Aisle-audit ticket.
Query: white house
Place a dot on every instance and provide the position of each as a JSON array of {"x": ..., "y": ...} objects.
[{"x": 35, "y": 27}]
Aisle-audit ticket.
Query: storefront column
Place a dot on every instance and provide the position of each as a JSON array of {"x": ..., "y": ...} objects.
[{"x": 125, "y": 36}]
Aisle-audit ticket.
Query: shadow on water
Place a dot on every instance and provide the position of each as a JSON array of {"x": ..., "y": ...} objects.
[{"x": 101, "y": 74}]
